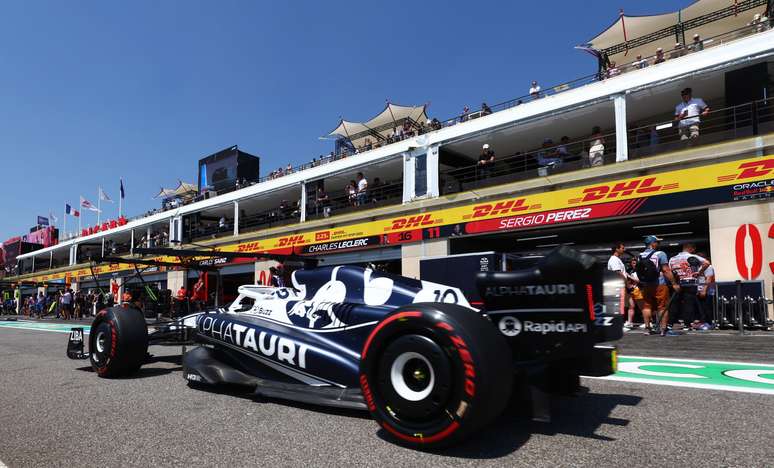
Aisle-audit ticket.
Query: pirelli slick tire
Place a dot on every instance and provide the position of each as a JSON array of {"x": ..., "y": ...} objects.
[
  {"x": 118, "y": 342},
  {"x": 432, "y": 374}
]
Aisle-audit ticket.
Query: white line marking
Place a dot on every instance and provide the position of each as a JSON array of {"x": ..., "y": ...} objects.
[
  {"x": 736, "y": 363},
  {"x": 3, "y": 465},
  {"x": 728, "y": 388}
]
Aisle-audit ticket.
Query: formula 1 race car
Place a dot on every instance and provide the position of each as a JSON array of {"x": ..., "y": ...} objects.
[{"x": 429, "y": 367}]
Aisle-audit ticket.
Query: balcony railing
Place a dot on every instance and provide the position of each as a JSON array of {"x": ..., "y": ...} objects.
[
  {"x": 547, "y": 160},
  {"x": 375, "y": 196},
  {"x": 646, "y": 139}
]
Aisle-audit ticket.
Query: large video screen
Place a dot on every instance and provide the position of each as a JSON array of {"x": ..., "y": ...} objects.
[{"x": 219, "y": 170}]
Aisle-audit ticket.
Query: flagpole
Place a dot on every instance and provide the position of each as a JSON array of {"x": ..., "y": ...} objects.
[
  {"x": 120, "y": 200},
  {"x": 65, "y": 221},
  {"x": 99, "y": 204}
]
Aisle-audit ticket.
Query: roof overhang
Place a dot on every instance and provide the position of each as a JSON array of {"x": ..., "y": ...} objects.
[{"x": 642, "y": 35}]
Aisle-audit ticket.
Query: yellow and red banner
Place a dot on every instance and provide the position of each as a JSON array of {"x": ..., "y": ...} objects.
[{"x": 747, "y": 179}]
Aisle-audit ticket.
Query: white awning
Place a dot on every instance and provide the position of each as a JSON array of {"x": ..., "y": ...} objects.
[
  {"x": 182, "y": 190},
  {"x": 628, "y": 36},
  {"x": 382, "y": 124}
]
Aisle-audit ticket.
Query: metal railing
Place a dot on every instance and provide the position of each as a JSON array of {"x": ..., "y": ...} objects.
[
  {"x": 375, "y": 196},
  {"x": 550, "y": 159},
  {"x": 725, "y": 124}
]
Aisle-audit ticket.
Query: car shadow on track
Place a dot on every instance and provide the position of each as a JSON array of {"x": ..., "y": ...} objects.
[
  {"x": 580, "y": 416},
  {"x": 148, "y": 369}
]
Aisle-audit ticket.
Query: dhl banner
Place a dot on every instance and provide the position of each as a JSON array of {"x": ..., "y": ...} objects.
[{"x": 748, "y": 179}]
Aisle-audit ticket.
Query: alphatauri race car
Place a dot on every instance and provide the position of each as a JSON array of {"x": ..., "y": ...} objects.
[{"x": 430, "y": 368}]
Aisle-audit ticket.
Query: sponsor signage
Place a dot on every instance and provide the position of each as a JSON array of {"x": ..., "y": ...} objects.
[{"x": 685, "y": 188}]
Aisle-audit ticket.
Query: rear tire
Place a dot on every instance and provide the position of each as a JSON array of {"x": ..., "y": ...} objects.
[
  {"x": 432, "y": 374},
  {"x": 118, "y": 342}
]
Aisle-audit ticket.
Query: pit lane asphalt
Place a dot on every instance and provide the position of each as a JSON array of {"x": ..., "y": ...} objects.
[{"x": 55, "y": 412}]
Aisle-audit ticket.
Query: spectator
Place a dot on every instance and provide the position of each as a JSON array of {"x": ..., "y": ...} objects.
[
  {"x": 562, "y": 150},
  {"x": 596, "y": 148},
  {"x": 547, "y": 157},
  {"x": 705, "y": 291},
  {"x": 289, "y": 169},
  {"x": 323, "y": 202},
  {"x": 40, "y": 305},
  {"x": 760, "y": 23},
  {"x": 67, "y": 302},
  {"x": 375, "y": 190},
  {"x": 486, "y": 161},
  {"x": 659, "y": 56},
  {"x": 534, "y": 90},
  {"x": 351, "y": 192},
  {"x": 465, "y": 114},
  {"x": 653, "y": 273},
  {"x": 640, "y": 63},
  {"x": 698, "y": 44},
  {"x": 407, "y": 132},
  {"x": 362, "y": 189},
  {"x": 687, "y": 267},
  {"x": 678, "y": 51},
  {"x": 687, "y": 114},
  {"x": 615, "y": 264},
  {"x": 222, "y": 223},
  {"x": 485, "y": 110},
  {"x": 612, "y": 70}
]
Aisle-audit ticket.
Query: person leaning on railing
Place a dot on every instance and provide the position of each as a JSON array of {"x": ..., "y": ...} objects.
[
  {"x": 687, "y": 114},
  {"x": 596, "y": 148}
]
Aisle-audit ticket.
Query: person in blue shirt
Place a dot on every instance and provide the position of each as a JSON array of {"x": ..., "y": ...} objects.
[{"x": 653, "y": 286}]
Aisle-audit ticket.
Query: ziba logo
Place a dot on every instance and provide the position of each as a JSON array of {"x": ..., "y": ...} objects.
[
  {"x": 412, "y": 221},
  {"x": 622, "y": 189}
]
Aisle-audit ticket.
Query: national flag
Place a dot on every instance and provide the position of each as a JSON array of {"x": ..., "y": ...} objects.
[
  {"x": 122, "y": 188},
  {"x": 42, "y": 221},
  {"x": 88, "y": 205},
  {"x": 69, "y": 210},
  {"x": 104, "y": 196},
  {"x": 54, "y": 219}
]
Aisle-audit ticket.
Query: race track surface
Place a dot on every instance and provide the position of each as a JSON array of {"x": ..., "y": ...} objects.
[{"x": 56, "y": 412}]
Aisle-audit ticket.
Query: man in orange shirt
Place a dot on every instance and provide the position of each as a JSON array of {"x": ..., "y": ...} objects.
[{"x": 181, "y": 300}]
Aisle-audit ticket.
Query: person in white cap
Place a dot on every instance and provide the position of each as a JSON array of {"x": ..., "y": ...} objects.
[
  {"x": 659, "y": 56},
  {"x": 485, "y": 161},
  {"x": 534, "y": 90}
]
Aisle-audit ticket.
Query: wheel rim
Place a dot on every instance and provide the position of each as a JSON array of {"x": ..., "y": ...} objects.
[
  {"x": 100, "y": 342},
  {"x": 415, "y": 381},
  {"x": 412, "y": 376}
]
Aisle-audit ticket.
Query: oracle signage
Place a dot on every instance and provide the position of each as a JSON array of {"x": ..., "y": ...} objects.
[{"x": 749, "y": 239}]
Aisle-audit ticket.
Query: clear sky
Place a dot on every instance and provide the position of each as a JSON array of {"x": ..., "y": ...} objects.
[{"x": 91, "y": 91}]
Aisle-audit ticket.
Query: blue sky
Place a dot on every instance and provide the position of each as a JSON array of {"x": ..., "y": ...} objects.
[{"x": 91, "y": 91}]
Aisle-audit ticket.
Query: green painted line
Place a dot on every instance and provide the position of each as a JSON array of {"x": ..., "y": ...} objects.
[
  {"x": 717, "y": 375},
  {"x": 42, "y": 326}
]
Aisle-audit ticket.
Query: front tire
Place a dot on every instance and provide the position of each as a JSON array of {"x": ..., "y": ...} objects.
[
  {"x": 118, "y": 342},
  {"x": 432, "y": 374}
]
